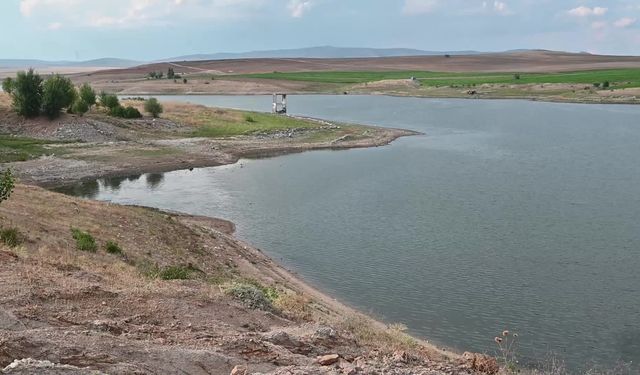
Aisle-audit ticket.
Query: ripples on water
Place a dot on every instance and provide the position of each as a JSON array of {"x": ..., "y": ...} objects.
[{"x": 507, "y": 214}]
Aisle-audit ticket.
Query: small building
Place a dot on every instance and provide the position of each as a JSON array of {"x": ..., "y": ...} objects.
[{"x": 280, "y": 104}]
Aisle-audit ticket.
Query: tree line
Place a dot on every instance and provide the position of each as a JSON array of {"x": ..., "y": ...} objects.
[{"x": 33, "y": 96}]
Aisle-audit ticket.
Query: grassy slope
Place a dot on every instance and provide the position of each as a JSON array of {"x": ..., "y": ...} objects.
[
  {"x": 617, "y": 77},
  {"x": 21, "y": 149}
]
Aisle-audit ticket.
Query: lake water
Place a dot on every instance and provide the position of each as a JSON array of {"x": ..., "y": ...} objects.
[{"x": 505, "y": 215}]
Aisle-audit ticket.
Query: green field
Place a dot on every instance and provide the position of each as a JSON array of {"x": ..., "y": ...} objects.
[
  {"x": 618, "y": 78},
  {"x": 249, "y": 123},
  {"x": 21, "y": 149}
]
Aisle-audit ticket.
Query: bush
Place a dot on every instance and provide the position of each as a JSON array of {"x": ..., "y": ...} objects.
[
  {"x": 249, "y": 118},
  {"x": 596, "y": 85},
  {"x": 80, "y": 107},
  {"x": 184, "y": 80},
  {"x": 7, "y": 85},
  {"x": 26, "y": 92},
  {"x": 606, "y": 84},
  {"x": 170, "y": 73},
  {"x": 87, "y": 95},
  {"x": 174, "y": 273},
  {"x": 250, "y": 295},
  {"x": 109, "y": 101},
  {"x": 84, "y": 240},
  {"x": 10, "y": 237},
  {"x": 7, "y": 183},
  {"x": 112, "y": 247},
  {"x": 516, "y": 76},
  {"x": 153, "y": 106},
  {"x": 125, "y": 112},
  {"x": 58, "y": 93}
]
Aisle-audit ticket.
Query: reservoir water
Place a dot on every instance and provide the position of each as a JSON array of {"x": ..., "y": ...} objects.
[{"x": 511, "y": 215}]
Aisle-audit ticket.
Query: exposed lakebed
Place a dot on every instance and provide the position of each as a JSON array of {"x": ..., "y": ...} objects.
[{"x": 505, "y": 215}]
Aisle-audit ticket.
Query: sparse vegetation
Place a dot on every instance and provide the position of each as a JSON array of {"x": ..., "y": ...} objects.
[
  {"x": 7, "y": 184},
  {"x": 174, "y": 273},
  {"x": 10, "y": 237},
  {"x": 252, "y": 295},
  {"x": 109, "y": 101},
  {"x": 80, "y": 107},
  {"x": 112, "y": 247},
  {"x": 84, "y": 240},
  {"x": 170, "y": 73},
  {"x": 125, "y": 112},
  {"x": 21, "y": 149},
  {"x": 249, "y": 118},
  {"x": 153, "y": 106}
]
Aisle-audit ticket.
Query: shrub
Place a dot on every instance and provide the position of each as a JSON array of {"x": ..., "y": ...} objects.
[
  {"x": 80, "y": 107},
  {"x": 125, "y": 112},
  {"x": 596, "y": 85},
  {"x": 58, "y": 93},
  {"x": 7, "y": 183},
  {"x": 7, "y": 85},
  {"x": 109, "y": 101},
  {"x": 174, "y": 273},
  {"x": 184, "y": 80},
  {"x": 249, "y": 118},
  {"x": 84, "y": 240},
  {"x": 250, "y": 295},
  {"x": 170, "y": 73},
  {"x": 26, "y": 92},
  {"x": 516, "y": 76},
  {"x": 10, "y": 237},
  {"x": 606, "y": 84},
  {"x": 153, "y": 106},
  {"x": 112, "y": 247},
  {"x": 87, "y": 95}
]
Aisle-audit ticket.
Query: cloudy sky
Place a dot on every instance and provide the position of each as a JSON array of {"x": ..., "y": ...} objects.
[{"x": 152, "y": 29}]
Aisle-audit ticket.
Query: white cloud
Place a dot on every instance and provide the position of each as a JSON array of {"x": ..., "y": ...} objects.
[
  {"x": 413, "y": 7},
  {"x": 54, "y": 26},
  {"x": 624, "y": 22},
  {"x": 298, "y": 8},
  {"x": 583, "y": 11},
  {"x": 134, "y": 13}
]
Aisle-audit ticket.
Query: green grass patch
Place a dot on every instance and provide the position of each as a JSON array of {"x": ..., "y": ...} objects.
[
  {"x": 112, "y": 247},
  {"x": 252, "y": 294},
  {"x": 249, "y": 123},
  {"x": 10, "y": 237},
  {"x": 84, "y": 240},
  {"x": 21, "y": 149},
  {"x": 175, "y": 273},
  {"x": 618, "y": 78}
]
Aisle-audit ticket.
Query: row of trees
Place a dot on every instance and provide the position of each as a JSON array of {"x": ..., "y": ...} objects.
[
  {"x": 32, "y": 96},
  {"x": 171, "y": 74}
]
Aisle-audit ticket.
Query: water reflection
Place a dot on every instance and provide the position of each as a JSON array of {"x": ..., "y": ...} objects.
[{"x": 154, "y": 180}]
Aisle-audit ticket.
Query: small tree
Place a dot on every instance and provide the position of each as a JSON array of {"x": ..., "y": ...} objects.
[
  {"x": 58, "y": 93},
  {"x": 7, "y": 183},
  {"x": 87, "y": 95},
  {"x": 596, "y": 85},
  {"x": 170, "y": 73},
  {"x": 80, "y": 107},
  {"x": 7, "y": 85},
  {"x": 516, "y": 76},
  {"x": 26, "y": 92},
  {"x": 109, "y": 101},
  {"x": 606, "y": 84},
  {"x": 153, "y": 106},
  {"x": 184, "y": 80}
]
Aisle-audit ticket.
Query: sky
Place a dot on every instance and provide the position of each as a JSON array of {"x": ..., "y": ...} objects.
[{"x": 153, "y": 29}]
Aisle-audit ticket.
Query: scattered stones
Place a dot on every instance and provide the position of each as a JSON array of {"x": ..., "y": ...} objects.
[{"x": 329, "y": 359}]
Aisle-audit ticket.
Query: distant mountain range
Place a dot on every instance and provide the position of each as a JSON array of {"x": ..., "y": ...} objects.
[
  {"x": 318, "y": 52},
  {"x": 104, "y": 62},
  {"x": 312, "y": 52}
]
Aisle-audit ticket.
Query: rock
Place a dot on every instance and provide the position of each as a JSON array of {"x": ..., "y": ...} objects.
[
  {"x": 282, "y": 339},
  {"x": 481, "y": 363},
  {"x": 329, "y": 359},
  {"x": 32, "y": 366},
  {"x": 239, "y": 370}
]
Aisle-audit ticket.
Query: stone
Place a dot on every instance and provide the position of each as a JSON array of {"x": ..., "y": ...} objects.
[
  {"x": 240, "y": 370},
  {"x": 329, "y": 359}
]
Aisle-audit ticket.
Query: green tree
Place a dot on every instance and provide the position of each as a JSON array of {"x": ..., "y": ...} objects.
[
  {"x": 80, "y": 107},
  {"x": 87, "y": 95},
  {"x": 26, "y": 92},
  {"x": 606, "y": 84},
  {"x": 6, "y": 185},
  {"x": 109, "y": 101},
  {"x": 170, "y": 73},
  {"x": 58, "y": 93},
  {"x": 153, "y": 106},
  {"x": 7, "y": 85}
]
